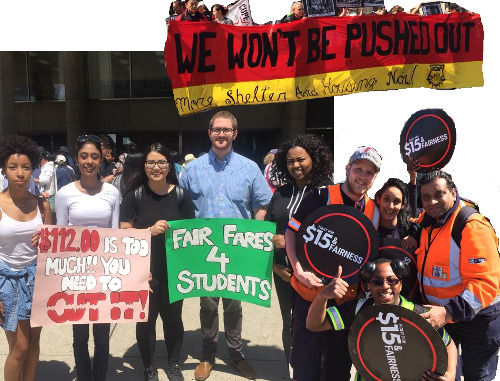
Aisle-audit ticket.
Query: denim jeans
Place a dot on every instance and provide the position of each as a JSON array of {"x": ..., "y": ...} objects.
[{"x": 84, "y": 370}]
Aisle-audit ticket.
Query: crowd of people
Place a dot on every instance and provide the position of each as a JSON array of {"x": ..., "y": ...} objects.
[
  {"x": 194, "y": 10},
  {"x": 459, "y": 278}
]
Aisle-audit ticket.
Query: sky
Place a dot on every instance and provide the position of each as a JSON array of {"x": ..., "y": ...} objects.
[{"x": 375, "y": 118}]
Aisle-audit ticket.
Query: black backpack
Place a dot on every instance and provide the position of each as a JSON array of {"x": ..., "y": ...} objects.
[{"x": 463, "y": 215}]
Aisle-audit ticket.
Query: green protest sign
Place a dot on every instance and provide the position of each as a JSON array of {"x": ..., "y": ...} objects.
[{"x": 227, "y": 257}]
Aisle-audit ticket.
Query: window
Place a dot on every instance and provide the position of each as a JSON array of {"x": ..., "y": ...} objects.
[{"x": 45, "y": 76}]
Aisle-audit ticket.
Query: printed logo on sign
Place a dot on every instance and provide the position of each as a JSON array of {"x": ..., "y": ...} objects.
[
  {"x": 325, "y": 239},
  {"x": 417, "y": 143},
  {"x": 392, "y": 335},
  {"x": 477, "y": 260},
  {"x": 436, "y": 76}
]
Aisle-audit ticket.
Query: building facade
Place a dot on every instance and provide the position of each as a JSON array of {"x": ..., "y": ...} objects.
[{"x": 53, "y": 97}]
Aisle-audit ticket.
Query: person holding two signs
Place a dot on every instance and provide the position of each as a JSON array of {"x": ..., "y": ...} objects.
[{"x": 308, "y": 348}]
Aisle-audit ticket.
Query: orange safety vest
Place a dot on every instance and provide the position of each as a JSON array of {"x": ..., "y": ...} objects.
[
  {"x": 471, "y": 271},
  {"x": 335, "y": 198}
]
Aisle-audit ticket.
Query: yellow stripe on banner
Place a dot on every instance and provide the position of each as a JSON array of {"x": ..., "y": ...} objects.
[{"x": 434, "y": 76}]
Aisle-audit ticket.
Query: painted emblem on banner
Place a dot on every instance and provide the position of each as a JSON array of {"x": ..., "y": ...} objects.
[{"x": 436, "y": 76}]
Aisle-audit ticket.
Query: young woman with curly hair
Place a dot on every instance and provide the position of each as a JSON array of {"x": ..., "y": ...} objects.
[
  {"x": 20, "y": 214},
  {"x": 301, "y": 164}
]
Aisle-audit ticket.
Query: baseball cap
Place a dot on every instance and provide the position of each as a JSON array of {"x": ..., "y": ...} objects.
[{"x": 366, "y": 153}]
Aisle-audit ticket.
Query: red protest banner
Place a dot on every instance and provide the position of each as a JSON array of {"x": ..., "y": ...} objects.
[
  {"x": 213, "y": 65},
  {"x": 88, "y": 275}
]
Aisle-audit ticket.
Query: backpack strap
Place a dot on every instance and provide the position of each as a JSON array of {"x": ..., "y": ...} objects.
[
  {"x": 459, "y": 223},
  {"x": 181, "y": 196}
]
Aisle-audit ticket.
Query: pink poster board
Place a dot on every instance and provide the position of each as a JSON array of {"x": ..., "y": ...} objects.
[{"x": 88, "y": 275}]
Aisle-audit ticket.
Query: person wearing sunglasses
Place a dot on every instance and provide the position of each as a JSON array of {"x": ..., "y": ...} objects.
[
  {"x": 317, "y": 360},
  {"x": 224, "y": 184},
  {"x": 152, "y": 198},
  {"x": 385, "y": 281},
  {"x": 89, "y": 202}
]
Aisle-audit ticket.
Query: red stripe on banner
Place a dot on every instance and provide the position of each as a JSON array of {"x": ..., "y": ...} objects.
[{"x": 198, "y": 53}]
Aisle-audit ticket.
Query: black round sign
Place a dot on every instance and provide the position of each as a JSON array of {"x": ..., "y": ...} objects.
[
  {"x": 388, "y": 342},
  {"x": 429, "y": 136},
  {"x": 333, "y": 236},
  {"x": 390, "y": 248}
]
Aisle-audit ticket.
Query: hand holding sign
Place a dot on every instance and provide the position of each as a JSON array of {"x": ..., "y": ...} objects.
[
  {"x": 337, "y": 288},
  {"x": 431, "y": 376},
  {"x": 159, "y": 227},
  {"x": 437, "y": 316},
  {"x": 308, "y": 278}
]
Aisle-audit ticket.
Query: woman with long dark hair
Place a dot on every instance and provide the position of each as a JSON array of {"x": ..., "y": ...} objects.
[
  {"x": 20, "y": 214},
  {"x": 153, "y": 198},
  {"x": 394, "y": 203},
  {"x": 133, "y": 162},
  {"x": 301, "y": 164},
  {"x": 89, "y": 202}
]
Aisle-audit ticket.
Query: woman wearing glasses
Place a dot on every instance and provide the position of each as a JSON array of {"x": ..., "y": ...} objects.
[
  {"x": 154, "y": 198},
  {"x": 89, "y": 202},
  {"x": 20, "y": 215}
]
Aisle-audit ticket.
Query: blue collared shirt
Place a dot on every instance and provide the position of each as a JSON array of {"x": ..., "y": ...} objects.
[{"x": 230, "y": 188}]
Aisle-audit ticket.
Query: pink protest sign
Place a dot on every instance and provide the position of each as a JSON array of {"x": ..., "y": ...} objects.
[{"x": 89, "y": 275}]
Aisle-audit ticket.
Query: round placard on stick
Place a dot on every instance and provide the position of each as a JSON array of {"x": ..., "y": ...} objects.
[
  {"x": 333, "y": 236},
  {"x": 388, "y": 342},
  {"x": 429, "y": 136},
  {"x": 390, "y": 248}
]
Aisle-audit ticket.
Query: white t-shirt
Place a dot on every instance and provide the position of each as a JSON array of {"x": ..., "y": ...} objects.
[{"x": 74, "y": 207}]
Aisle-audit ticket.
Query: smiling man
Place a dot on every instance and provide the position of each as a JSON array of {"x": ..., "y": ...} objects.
[
  {"x": 460, "y": 276},
  {"x": 385, "y": 281},
  {"x": 309, "y": 349},
  {"x": 223, "y": 184}
]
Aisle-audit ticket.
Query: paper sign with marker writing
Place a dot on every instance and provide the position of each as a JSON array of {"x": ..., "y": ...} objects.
[
  {"x": 91, "y": 275},
  {"x": 227, "y": 257}
]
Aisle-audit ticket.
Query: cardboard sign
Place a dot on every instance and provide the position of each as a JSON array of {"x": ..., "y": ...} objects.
[
  {"x": 348, "y": 3},
  {"x": 227, "y": 257},
  {"x": 373, "y": 3},
  {"x": 389, "y": 342},
  {"x": 319, "y": 8},
  {"x": 333, "y": 236},
  {"x": 216, "y": 65},
  {"x": 430, "y": 137},
  {"x": 390, "y": 248},
  {"x": 431, "y": 8},
  {"x": 91, "y": 275}
]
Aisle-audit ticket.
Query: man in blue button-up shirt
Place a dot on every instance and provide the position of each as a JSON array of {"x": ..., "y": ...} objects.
[{"x": 224, "y": 184}]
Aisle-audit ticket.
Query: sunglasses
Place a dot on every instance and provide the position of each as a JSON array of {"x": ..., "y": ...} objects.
[
  {"x": 86, "y": 138},
  {"x": 379, "y": 282}
]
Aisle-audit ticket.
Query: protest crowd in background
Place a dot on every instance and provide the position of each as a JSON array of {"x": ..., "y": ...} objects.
[
  {"x": 194, "y": 10},
  {"x": 149, "y": 187}
]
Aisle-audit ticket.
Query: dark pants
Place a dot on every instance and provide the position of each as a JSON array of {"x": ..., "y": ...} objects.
[
  {"x": 284, "y": 293},
  {"x": 479, "y": 340},
  {"x": 84, "y": 371},
  {"x": 317, "y": 355},
  {"x": 173, "y": 327},
  {"x": 209, "y": 319}
]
